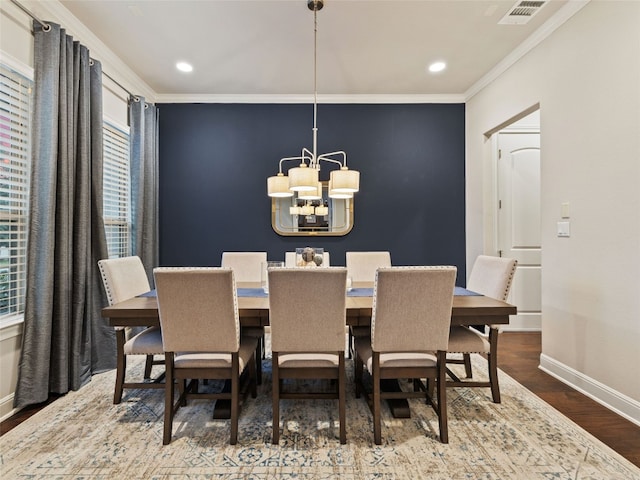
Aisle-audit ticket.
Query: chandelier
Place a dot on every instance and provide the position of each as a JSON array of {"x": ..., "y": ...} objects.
[{"x": 303, "y": 180}]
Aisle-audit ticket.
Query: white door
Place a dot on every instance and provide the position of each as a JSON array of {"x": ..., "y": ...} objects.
[{"x": 519, "y": 223}]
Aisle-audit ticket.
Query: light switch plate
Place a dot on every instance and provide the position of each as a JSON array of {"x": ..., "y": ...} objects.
[
  {"x": 564, "y": 210},
  {"x": 564, "y": 229}
]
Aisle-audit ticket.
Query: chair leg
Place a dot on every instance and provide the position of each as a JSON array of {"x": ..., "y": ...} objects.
[
  {"x": 275, "y": 435},
  {"x": 357, "y": 373},
  {"x": 377, "y": 422},
  {"x": 341, "y": 400},
  {"x": 258, "y": 360},
  {"x": 148, "y": 365},
  {"x": 121, "y": 366},
  {"x": 168, "y": 398},
  {"x": 442, "y": 398},
  {"x": 235, "y": 368},
  {"x": 253, "y": 376},
  {"x": 492, "y": 359},
  {"x": 467, "y": 365}
]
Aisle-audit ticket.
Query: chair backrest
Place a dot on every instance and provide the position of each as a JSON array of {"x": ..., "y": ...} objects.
[
  {"x": 412, "y": 308},
  {"x": 290, "y": 259},
  {"x": 198, "y": 309},
  {"x": 362, "y": 266},
  {"x": 492, "y": 276},
  {"x": 247, "y": 266},
  {"x": 123, "y": 278},
  {"x": 307, "y": 309}
]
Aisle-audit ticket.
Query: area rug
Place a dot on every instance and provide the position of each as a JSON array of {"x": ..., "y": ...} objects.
[{"x": 84, "y": 436}]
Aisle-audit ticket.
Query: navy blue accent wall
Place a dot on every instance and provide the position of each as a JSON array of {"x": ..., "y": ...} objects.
[{"x": 215, "y": 159}]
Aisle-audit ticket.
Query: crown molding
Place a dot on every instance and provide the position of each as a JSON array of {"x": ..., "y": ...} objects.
[
  {"x": 361, "y": 99},
  {"x": 54, "y": 11},
  {"x": 565, "y": 13}
]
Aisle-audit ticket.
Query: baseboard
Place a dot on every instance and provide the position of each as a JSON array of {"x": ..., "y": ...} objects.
[
  {"x": 509, "y": 328},
  {"x": 6, "y": 407},
  {"x": 615, "y": 401}
]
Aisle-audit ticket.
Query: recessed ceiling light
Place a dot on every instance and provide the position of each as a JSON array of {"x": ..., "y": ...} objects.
[
  {"x": 437, "y": 67},
  {"x": 184, "y": 67}
]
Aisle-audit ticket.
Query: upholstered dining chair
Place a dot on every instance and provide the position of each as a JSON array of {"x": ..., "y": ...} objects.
[
  {"x": 492, "y": 277},
  {"x": 198, "y": 309},
  {"x": 124, "y": 278},
  {"x": 361, "y": 267},
  {"x": 307, "y": 312},
  {"x": 247, "y": 267},
  {"x": 409, "y": 338},
  {"x": 290, "y": 259}
]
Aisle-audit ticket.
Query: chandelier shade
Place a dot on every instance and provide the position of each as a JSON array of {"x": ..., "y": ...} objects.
[
  {"x": 278, "y": 186},
  {"x": 303, "y": 179},
  {"x": 311, "y": 194},
  {"x": 345, "y": 180}
]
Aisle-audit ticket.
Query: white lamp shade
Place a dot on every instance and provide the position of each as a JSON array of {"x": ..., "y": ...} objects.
[
  {"x": 311, "y": 194},
  {"x": 278, "y": 186},
  {"x": 345, "y": 180},
  {"x": 338, "y": 195},
  {"x": 303, "y": 179},
  {"x": 294, "y": 210},
  {"x": 322, "y": 210}
]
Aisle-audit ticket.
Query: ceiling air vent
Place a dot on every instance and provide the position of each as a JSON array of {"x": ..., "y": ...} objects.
[{"x": 521, "y": 12}]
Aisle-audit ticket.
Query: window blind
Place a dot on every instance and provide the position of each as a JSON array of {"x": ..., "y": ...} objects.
[
  {"x": 15, "y": 163},
  {"x": 117, "y": 191}
]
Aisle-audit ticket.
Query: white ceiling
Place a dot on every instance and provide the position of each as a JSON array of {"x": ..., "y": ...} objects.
[{"x": 265, "y": 47}]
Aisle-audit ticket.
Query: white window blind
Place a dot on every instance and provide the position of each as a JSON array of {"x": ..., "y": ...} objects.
[
  {"x": 116, "y": 191},
  {"x": 15, "y": 163}
]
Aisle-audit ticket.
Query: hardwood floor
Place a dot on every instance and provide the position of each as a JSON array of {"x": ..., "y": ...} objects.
[{"x": 519, "y": 357}]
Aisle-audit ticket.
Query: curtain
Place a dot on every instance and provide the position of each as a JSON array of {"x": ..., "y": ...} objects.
[
  {"x": 143, "y": 118},
  {"x": 65, "y": 339}
]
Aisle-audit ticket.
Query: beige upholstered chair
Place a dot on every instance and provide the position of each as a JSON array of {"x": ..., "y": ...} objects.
[
  {"x": 307, "y": 314},
  {"x": 198, "y": 310},
  {"x": 124, "y": 278},
  {"x": 362, "y": 266},
  {"x": 247, "y": 267},
  {"x": 290, "y": 259},
  {"x": 490, "y": 276},
  {"x": 410, "y": 321}
]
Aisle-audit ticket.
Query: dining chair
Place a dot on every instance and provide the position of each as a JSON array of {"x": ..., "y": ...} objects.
[
  {"x": 198, "y": 310},
  {"x": 307, "y": 312},
  {"x": 492, "y": 277},
  {"x": 409, "y": 339},
  {"x": 247, "y": 268},
  {"x": 125, "y": 278},
  {"x": 290, "y": 259},
  {"x": 361, "y": 267}
]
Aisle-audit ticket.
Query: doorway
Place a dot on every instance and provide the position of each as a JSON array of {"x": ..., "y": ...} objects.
[{"x": 518, "y": 216}]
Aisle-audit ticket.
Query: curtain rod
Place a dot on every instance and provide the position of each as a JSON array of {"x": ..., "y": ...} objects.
[{"x": 46, "y": 27}]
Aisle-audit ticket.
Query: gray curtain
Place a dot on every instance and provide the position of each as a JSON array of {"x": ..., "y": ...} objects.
[
  {"x": 65, "y": 339},
  {"x": 143, "y": 118}
]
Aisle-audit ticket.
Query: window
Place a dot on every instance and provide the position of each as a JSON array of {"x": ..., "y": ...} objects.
[
  {"x": 116, "y": 191},
  {"x": 15, "y": 164}
]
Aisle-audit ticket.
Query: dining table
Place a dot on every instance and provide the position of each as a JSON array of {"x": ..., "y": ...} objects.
[{"x": 469, "y": 308}]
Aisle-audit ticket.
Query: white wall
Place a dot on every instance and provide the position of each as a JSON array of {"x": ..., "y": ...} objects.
[{"x": 586, "y": 78}]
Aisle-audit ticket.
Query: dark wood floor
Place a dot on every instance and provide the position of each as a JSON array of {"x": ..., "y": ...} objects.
[{"x": 519, "y": 357}]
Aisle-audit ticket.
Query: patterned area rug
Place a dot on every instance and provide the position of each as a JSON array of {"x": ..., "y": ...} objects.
[{"x": 84, "y": 436}]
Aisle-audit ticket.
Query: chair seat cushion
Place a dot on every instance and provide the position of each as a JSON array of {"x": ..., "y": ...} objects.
[
  {"x": 308, "y": 360},
  {"x": 395, "y": 359},
  {"x": 147, "y": 342},
  {"x": 467, "y": 340},
  {"x": 216, "y": 360}
]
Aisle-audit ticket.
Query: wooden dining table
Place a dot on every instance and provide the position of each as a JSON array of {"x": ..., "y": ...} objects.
[{"x": 468, "y": 309}]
